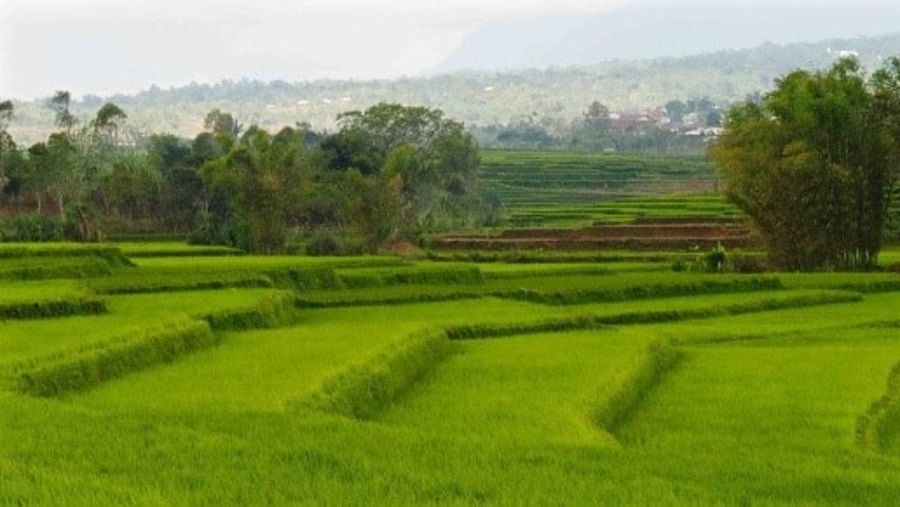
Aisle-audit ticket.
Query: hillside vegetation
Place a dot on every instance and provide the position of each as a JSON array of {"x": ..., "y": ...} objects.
[{"x": 477, "y": 98}]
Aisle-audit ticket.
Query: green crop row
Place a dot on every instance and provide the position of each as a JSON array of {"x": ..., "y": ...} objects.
[
  {"x": 628, "y": 385},
  {"x": 51, "y": 308},
  {"x": 368, "y": 298},
  {"x": 85, "y": 368},
  {"x": 49, "y": 268},
  {"x": 641, "y": 291},
  {"x": 476, "y": 331},
  {"x": 551, "y": 256},
  {"x": 148, "y": 280},
  {"x": 870, "y": 427},
  {"x": 363, "y": 390},
  {"x": 181, "y": 278},
  {"x": 111, "y": 253},
  {"x": 272, "y": 311},
  {"x": 380, "y": 277},
  {"x": 547, "y": 287},
  {"x": 174, "y": 249}
]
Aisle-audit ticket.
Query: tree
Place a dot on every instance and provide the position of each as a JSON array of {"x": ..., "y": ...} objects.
[
  {"x": 433, "y": 158},
  {"x": 592, "y": 130},
  {"x": 108, "y": 119},
  {"x": 676, "y": 110},
  {"x": 222, "y": 124},
  {"x": 262, "y": 175},
  {"x": 814, "y": 163},
  {"x": 6, "y": 114},
  {"x": 59, "y": 103},
  {"x": 7, "y": 145}
]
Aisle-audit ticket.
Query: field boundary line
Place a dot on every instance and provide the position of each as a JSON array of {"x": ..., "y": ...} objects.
[{"x": 588, "y": 321}]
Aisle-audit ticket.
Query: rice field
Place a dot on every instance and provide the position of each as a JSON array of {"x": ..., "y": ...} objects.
[{"x": 206, "y": 377}]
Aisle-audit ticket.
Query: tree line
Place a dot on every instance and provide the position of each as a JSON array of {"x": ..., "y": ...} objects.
[
  {"x": 596, "y": 130},
  {"x": 387, "y": 173}
]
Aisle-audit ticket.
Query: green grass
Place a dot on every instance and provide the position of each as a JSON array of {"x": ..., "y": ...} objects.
[
  {"x": 47, "y": 300},
  {"x": 525, "y": 389},
  {"x": 764, "y": 413},
  {"x": 172, "y": 249},
  {"x": 25, "y": 340},
  {"x": 13, "y": 292},
  {"x": 665, "y": 389}
]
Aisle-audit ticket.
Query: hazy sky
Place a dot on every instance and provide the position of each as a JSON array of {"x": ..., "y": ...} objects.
[{"x": 106, "y": 46}]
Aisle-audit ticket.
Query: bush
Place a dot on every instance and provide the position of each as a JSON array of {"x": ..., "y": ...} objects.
[
  {"x": 323, "y": 244},
  {"x": 32, "y": 228},
  {"x": 714, "y": 260},
  {"x": 743, "y": 263}
]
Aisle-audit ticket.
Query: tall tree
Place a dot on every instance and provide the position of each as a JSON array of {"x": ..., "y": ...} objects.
[
  {"x": 108, "y": 120},
  {"x": 434, "y": 157},
  {"x": 262, "y": 175},
  {"x": 59, "y": 103},
  {"x": 813, "y": 165},
  {"x": 6, "y": 114}
]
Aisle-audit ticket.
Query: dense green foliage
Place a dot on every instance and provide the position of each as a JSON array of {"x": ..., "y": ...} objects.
[
  {"x": 814, "y": 165},
  {"x": 390, "y": 171}
]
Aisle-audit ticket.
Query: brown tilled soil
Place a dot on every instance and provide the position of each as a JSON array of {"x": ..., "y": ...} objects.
[{"x": 640, "y": 237}]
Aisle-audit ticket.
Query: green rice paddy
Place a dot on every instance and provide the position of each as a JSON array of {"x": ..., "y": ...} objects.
[{"x": 212, "y": 378}]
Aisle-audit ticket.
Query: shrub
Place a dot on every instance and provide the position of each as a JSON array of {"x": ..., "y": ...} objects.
[{"x": 323, "y": 244}]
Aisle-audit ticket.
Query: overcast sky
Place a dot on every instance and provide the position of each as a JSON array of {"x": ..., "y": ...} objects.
[{"x": 106, "y": 46}]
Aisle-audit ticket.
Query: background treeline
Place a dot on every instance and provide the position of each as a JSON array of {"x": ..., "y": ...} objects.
[
  {"x": 678, "y": 127},
  {"x": 387, "y": 173},
  {"x": 480, "y": 99}
]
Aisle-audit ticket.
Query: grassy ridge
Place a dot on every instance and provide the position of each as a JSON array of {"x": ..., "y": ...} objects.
[
  {"x": 88, "y": 367},
  {"x": 647, "y": 291},
  {"x": 627, "y": 386},
  {"x": 362, "y": 391},
  {"x": 649, "y": 316},
  {"x": 47, "y": 300},
  {"x": 873, "y": 428},
  {"x": 563, "y": 287}
]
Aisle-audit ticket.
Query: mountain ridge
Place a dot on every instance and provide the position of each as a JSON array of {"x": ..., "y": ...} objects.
[{"x": 554, "y": 94}]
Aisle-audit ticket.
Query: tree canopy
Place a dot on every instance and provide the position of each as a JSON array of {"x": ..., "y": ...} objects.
[{"x": 814, "y": 163}]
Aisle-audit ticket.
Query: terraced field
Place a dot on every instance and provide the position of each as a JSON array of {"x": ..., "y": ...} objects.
[{"x": 205, "y": 377}]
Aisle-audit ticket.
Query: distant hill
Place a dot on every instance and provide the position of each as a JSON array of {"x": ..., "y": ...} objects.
[
  {"x": 552, "y": 96},
  {"x": 661, "y": 28}
]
